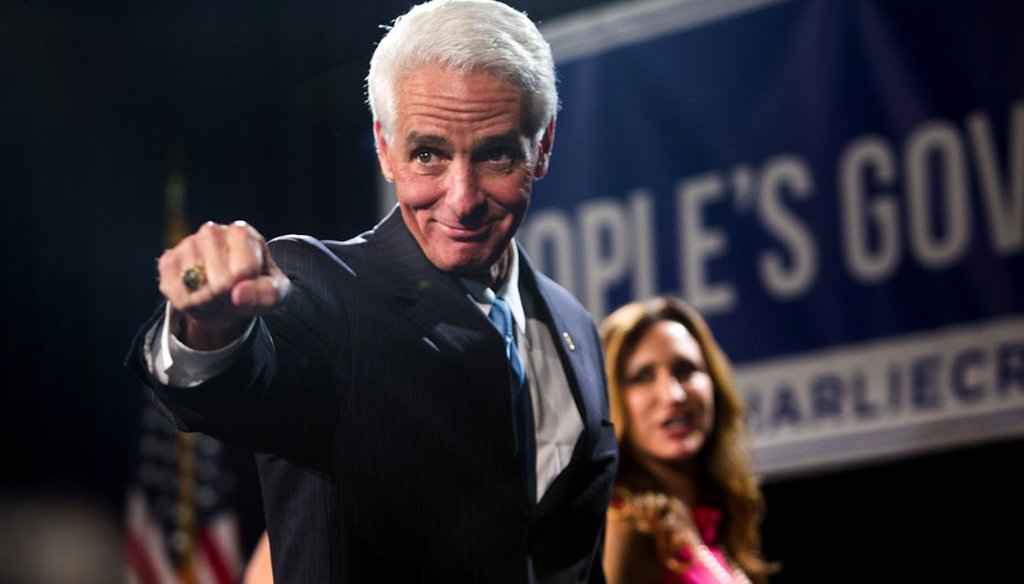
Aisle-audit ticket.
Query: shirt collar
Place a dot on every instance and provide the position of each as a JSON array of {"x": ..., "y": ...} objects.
[{"x": 484, "y": 296}]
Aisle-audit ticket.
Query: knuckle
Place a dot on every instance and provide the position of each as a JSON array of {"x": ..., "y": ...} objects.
[
  {"x": 209, "y": 231},
  {"x": 165, "y": 261},
  {"x": 242, "y": 228},
  {"x": 238, "y": 228},
  {"x": 165, "y": 289},
  {"x": 244, "y": 234}
]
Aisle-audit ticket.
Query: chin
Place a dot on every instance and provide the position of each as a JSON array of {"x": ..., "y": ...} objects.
[
  {"x": 678, "y": 456},
  {"x": 680, "y": 452},
  {"x": 468, "y": 265},
  {"x": 456, "y": 259},
  {"x": 473, "y": 259}
]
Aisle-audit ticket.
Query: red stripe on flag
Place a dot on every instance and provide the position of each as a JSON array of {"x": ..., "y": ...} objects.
[
  {"x": 215, "y": 558},
  {"x": 139, "y": 561}
]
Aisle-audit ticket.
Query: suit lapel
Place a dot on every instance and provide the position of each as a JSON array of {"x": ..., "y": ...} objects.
[
  {"x": 577, "y": 360},
  {"x": 567, "y": 335},
  {"x": 432, "y": 296},
  {"x": 438, "y": 303}
]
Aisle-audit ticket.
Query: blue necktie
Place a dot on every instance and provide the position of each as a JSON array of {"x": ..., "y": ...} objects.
[{"x": 522, "y": 407}]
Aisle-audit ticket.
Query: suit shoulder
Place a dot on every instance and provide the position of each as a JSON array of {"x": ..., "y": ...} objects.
[
  {"x": 559, "y": 295},
  {"x": 295, "y": 250},
  {"x": 296, "y": 241}
]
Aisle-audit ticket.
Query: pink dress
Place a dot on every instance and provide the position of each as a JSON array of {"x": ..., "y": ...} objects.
[{"x": 707, "y": 565}]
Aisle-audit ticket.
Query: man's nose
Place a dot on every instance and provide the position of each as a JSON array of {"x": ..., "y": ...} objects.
[{"x": 464, "y": 196}]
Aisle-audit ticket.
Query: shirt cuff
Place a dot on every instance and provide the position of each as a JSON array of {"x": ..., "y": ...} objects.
[{"x": 175, "y": 364}]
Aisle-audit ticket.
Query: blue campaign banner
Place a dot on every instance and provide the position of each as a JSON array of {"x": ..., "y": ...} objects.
[{"x": 837, "y": 186}]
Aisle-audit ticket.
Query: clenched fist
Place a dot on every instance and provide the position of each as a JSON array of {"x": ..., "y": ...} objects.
[{"x": 219, "y": 278}]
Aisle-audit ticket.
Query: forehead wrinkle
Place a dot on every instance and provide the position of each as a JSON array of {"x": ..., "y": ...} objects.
[
  {"x": 451, "y": 96},
  {"x": 473, "y": 107},
  {"x": 490, "y": 113}
]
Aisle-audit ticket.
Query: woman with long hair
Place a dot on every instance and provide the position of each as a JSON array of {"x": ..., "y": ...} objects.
[{"x": 687, "y": 506}]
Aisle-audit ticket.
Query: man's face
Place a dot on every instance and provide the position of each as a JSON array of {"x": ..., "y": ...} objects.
[{"x": 462, "y": 167}]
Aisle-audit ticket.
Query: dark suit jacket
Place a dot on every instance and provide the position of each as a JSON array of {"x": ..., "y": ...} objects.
[{"x": 378, "y": 396}]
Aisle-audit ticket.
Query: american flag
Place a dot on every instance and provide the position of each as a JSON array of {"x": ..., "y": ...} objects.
[{"x": 181, "y": 526}]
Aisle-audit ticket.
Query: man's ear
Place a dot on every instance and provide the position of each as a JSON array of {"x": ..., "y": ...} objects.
[
  {"x": 382, "y": 152},
  {"x": 547, "y": 140}
]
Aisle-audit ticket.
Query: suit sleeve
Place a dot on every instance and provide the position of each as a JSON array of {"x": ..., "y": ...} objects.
[{"x": 281, "y": 393}]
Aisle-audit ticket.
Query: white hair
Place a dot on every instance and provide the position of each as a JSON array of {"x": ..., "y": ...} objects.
[{"x": 465, "y": 36}]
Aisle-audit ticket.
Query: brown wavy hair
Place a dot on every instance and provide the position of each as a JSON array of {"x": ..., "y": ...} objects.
[{"x": 724, "y": 477}]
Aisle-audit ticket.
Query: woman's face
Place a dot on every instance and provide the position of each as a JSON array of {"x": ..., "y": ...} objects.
[{"x": 668, "y": 393}]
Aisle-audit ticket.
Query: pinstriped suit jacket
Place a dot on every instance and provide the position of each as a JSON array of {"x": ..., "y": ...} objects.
[{"x": 377, "y": 400}]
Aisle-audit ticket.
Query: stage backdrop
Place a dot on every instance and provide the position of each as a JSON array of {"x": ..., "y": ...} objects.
[{"x": 837, "y": 186}]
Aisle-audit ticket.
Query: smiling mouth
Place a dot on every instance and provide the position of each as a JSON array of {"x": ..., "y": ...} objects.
[{"x": 461, "y": 233}]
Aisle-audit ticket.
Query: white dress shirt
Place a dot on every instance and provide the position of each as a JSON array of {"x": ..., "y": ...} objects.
[{"x": 556, "y": 419}]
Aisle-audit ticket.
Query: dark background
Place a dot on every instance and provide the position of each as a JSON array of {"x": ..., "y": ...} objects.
[{"x": 260, "y": 107}]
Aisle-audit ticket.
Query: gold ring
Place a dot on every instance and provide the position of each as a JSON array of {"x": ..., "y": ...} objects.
[{"x": 193, "y": 277}]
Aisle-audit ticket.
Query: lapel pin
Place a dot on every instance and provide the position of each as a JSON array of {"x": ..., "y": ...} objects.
[{"x": 568, "y": 341}]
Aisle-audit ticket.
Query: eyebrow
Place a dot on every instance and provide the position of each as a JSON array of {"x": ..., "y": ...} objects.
[
  {"x": 507, "y": 139},
  {"x": 415, "y": 140}
]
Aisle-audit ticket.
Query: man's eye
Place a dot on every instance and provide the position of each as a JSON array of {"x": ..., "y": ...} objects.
[
  {"x": 498, "y": 155},
  {"x": 423, "y": 156}
]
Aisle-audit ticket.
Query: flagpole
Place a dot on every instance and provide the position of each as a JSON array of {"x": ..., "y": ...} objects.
[{"x": 176, "y": 228}]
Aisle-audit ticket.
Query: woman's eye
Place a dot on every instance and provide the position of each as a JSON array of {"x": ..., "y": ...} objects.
[
  {"x": 642, "y": 376},
  {"x": 684, "y": 369}
]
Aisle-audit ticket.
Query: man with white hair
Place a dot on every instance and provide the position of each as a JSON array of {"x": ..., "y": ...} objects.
[{"x": 425, "y": 405}]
